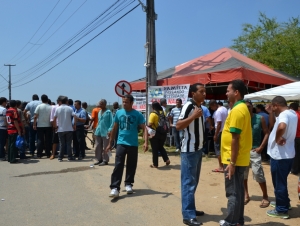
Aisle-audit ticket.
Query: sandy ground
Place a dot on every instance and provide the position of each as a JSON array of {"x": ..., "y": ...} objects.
[{"x": 44, "y": 192}]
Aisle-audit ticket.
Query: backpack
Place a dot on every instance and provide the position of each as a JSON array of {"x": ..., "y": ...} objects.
[{"x": 162, "y": 127}]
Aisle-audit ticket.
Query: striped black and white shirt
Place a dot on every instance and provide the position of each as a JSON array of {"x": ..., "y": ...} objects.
[{"x": 194, "y": 134}]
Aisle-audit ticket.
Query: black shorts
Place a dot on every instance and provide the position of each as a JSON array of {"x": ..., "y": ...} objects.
[{"x": 55, "y": 139}]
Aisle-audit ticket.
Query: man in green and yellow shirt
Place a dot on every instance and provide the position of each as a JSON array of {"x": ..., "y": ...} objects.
[{"x": 236, "y": 141}]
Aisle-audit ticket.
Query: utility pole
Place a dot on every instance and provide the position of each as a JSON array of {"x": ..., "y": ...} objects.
[
  {"x": 9, "y": 80},
  {"x": 151, "y": 74}
]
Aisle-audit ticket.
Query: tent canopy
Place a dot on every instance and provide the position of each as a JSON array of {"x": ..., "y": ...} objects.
[
  {"x": 216, "y": 70},
  {"x": 289, "y": 91}
]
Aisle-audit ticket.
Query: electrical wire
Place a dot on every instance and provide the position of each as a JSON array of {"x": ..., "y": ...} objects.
[
  {"x": 34, "y": 45},
  {"x": 72, "y": 38},
  {"x": 51, "y": 60},
  {"x": 53, "y": 33},
  {"x": 35, "y": 69},
  {"x": 81, "y": 46},
  {"x": 36, "y": 30}
]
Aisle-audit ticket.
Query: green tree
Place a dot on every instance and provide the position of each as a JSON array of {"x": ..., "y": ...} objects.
[{"x": 272, "y": 43}]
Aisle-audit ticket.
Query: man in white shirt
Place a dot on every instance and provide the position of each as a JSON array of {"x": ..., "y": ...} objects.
[
  {"x": 31, "y": 106},
  {"x": 282, "y": 152},
  {"x": 219, "y": 117},
  {"x": 3, "y": 127},
  {"x": 43, "y": 127},
  {"x": 64, "y": 115},
  {"x": 191, "y": 120}
]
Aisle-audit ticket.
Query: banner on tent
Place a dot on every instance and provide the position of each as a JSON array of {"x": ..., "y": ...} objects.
[
  {"x": 139, "y": 101},
  {"x": 170, "y": 93}
]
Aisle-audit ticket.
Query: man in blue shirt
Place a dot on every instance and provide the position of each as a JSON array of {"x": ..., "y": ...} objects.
[
  {"x": 78, "y": 134},
  {"x": 31, "y": 106},
  {"x": 127, "y": 121}
]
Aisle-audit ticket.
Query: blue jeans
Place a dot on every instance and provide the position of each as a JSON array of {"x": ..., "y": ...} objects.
[
  {"x": 65, "y": 140},
  {"x": 190, "y": 174},
  {"x": 177, "y": 137},
  {"x": 32, "y": 138},
  {"x": 280, "y": 170},
  {"x": 235, "y": 194},
  {"x": 3, "y": 138}
]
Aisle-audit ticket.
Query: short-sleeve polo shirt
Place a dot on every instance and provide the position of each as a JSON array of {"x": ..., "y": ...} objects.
[{"x": 238, "y": 121}]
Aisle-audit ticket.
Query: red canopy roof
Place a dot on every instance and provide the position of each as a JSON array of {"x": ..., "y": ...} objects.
[{"x": 216, "y": 68}]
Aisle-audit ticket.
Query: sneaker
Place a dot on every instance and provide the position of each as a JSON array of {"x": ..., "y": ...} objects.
[
  {"x": 128, "y": 189},
  {"x": 114, "y": 193},
  {"x": 60, "y": 160},
  {"x": 103, "y": 163},
  {"x": 274, "y": 213},
  {"x": 79, "y": 158},
  {"x": 273, "y": 204},
  {"x": 177, "y": 150},
  {"x": 71, "y": 159}
]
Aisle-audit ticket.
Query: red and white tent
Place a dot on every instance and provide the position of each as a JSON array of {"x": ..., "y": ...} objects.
[{"x": 216, "y": 70}]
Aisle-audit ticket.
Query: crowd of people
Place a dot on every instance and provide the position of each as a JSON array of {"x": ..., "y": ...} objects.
[{"x": 241, "y": 134}]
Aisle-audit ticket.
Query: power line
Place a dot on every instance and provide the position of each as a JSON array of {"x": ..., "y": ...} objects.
[
  {"x": 34, "y": 45},
  {"x": 53, "y": 33},
  {"x": 80, "y": 47},
  {"x": 48, "y": 61},
  {"x": 36, "y": 30}
]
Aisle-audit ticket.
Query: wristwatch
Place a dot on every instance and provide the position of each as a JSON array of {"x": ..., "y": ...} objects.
[{"x": 232, "y": 163}]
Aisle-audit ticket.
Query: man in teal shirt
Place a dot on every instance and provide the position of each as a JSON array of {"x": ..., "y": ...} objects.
[
  {"x": 258, "y": 124},
  {"x": 127, "y": 121}
]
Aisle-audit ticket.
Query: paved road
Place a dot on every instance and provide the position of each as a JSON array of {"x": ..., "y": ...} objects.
[{"x": 44, "y": 192}]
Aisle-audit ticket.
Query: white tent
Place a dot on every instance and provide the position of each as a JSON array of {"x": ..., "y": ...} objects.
[{"x": 289, "y": 91}]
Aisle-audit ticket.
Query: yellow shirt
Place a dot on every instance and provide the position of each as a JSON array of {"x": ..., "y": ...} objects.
[
  {"x": 238, "y": 121},
  {"x": 153, "y": 119}
]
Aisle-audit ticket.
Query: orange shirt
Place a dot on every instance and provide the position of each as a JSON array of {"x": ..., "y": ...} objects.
[{"x": 94, "y": 115}]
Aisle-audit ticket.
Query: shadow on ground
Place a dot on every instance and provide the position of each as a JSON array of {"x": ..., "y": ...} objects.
[
  {"x": 68, "y": 170},
  {"x": 141, "y": 192}
]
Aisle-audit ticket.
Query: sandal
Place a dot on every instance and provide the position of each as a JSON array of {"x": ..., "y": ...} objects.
[
  {"x": 264, "y": 203},
  {"x": 246, "y": 201},
  {"x": 168, "y": 162},
  {"x": 152, "y": 166}
]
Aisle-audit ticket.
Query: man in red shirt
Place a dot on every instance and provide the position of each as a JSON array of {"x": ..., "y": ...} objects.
[
  {"x": 13, "y": 130},
  {"x": 296, "y": 164}
]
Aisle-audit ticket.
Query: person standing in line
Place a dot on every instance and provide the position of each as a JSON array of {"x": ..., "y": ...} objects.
[
  {"x": 64, "y": 115},
  {"x": 105, "y": 120},
  {"x": 3, "y": 127},
  {"x": 296, "y": 163},
  {"x": 55, "y": 139},
  {"x": 208, "y": 128},
  {"x": 259, "y": 126},
  {"x": 236, "y": 143},
  {"x": 157, "y": 142},
  {"x": 163, "y": 104},
  {"x": 174, "y": 115},
  {"x": 87, "y": 122},
  {"x": 43, "y": 127},
  {"x": 31, "y": 106},
  {"x": 22, "y": 125},
  {"x": 13, "y": 130},
  {"x": 191, "y": 120},
  {"x": 219, "y": 117},
  {"x": 94, "y": 119},
  {"x": 126, "y": 121},
  {"x": 281, "y": 149},
  {"x": 78, "y": 133},
  {"x": 260, "y": 110}
]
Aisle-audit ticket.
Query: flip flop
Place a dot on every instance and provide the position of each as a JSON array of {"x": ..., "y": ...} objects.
[
  {"x": 217, "y": 171},
  {"x": 264, "y": 203},
  {"x": 246, "y": 201}
]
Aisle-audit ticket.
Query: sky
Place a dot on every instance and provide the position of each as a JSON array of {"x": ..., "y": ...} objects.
[{"x": 37, "y": 35}]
